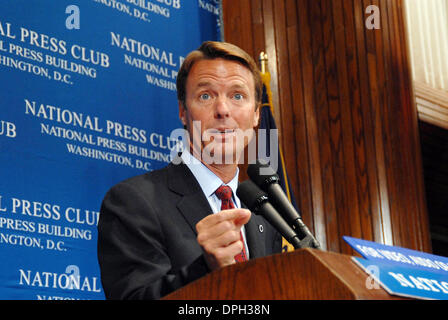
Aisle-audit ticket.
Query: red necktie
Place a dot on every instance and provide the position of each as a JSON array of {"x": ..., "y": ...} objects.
[{"x": 224, "y": 193}]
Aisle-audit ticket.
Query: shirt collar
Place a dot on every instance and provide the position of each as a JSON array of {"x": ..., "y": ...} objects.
[{"x": 208, "y": 181}]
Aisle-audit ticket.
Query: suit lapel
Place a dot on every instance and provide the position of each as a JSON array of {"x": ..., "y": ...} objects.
[
  {"x": 193, "y": 204},
  {"x": 194, "y": 209},
  {"x": 255, "y": 235}
]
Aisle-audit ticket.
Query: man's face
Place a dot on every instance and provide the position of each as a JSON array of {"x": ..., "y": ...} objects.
[{"x": 220, "y": 96}]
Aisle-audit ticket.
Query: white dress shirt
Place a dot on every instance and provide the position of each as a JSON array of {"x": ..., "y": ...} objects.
[{"x": 209, "y": 183}]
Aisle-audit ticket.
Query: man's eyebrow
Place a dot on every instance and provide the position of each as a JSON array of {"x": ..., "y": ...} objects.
[
  {"x": 239, "y": 86},
  {"x": 203, "y": 84}
]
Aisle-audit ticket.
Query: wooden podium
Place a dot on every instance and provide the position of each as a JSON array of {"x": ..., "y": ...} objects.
[{"x": 305, "y": 274}]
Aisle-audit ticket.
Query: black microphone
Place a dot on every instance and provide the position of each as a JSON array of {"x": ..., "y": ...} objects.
[
  {"x": 267, "y": 179},
  {"x": 257, "y": 201}
]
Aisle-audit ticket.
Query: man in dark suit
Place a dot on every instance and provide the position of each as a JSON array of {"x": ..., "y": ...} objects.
[{"x": 159, "y": 231}]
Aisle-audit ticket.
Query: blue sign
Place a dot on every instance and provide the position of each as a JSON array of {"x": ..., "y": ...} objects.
[
  {"x": 406, "y": 281},
  {"x": 87, "y": 99},
  {"x": 396, "y": 255},
  {"x": 402, "y": 271}
]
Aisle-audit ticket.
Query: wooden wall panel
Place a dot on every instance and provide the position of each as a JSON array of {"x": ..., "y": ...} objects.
[{"x": 343, "y": 102}]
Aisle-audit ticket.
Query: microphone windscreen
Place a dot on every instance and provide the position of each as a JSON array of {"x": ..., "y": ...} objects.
[
  {"x": 260, "y": 173},
  {"x": 250, "y": 194}
]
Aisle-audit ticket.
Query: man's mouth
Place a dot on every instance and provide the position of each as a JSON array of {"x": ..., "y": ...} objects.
[
  {"x": 226, "y": 130},
  {"x": 221, "y": 130},
  {"x": 222, "y": 133}
]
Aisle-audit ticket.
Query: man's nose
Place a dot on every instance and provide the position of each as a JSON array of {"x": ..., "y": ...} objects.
[{"x": 222, "y": 108}]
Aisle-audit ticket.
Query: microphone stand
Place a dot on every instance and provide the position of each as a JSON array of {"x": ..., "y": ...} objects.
[{"x": 306, "y": 239}]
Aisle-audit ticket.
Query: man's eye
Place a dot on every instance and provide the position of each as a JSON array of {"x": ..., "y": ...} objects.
[
  {"x": 238, "y": 96},
  {"x": 204, "y": 96}
]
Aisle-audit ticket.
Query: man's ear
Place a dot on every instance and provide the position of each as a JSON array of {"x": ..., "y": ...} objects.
[
  {"x": 257, "y": 115},
  {"x": 182, "y": 113}
]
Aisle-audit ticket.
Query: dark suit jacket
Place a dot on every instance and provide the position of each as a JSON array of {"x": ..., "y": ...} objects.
[{"x": 147, "y": 243}]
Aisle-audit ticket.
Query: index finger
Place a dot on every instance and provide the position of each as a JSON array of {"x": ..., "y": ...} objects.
[{"x": 225, "y": 215}]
